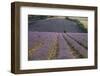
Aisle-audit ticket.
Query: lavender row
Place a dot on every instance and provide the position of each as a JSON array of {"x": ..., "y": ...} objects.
[
  {"x": 47, "y": 38},
  {"x": 64, "y": 49},
  {"x": 76, "y": 46},
  {"x": 80, "y": 37}
]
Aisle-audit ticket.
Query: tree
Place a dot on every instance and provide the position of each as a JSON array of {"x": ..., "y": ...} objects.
[{"x": 65, "y": 31}]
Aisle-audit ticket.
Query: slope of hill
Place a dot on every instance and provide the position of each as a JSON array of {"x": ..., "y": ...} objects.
[{"x": 54, "y": 25}]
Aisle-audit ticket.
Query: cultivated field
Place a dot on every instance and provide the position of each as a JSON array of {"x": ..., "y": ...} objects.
[{"x": 53, "y": 45}]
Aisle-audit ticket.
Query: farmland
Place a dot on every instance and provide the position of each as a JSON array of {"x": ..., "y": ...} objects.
[
  {"x": 54, "y": 45},
  {"x": 57, "y": 37}
]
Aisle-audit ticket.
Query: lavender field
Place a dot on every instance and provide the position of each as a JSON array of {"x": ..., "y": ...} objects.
[
  {"x": 57, "y": 37},
  {"x": 53, "y": 45}
]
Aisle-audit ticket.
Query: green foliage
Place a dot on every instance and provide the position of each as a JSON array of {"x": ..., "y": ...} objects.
[
  {"x": 67, "y": 18},
  {"x": 65, "y": 31},
  {"x": 79, "y": 23}
]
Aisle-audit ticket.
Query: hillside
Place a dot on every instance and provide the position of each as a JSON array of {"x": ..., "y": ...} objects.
[{"x": 55, "y": 25}]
